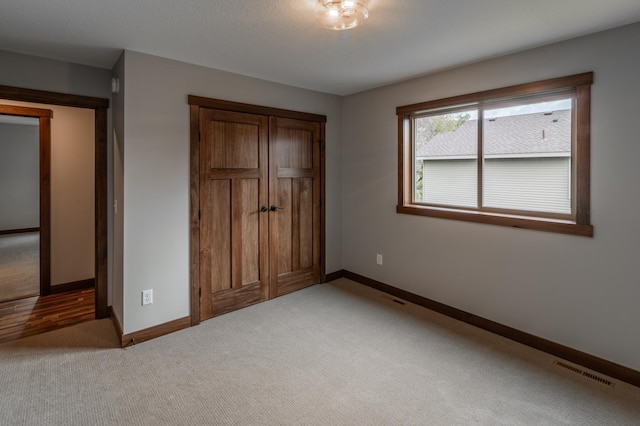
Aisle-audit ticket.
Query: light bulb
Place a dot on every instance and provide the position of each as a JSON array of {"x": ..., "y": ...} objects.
[{"x": 341, "y": 14}]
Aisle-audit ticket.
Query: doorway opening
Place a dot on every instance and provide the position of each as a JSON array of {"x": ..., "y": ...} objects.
[{"x": 100, "y": 107}]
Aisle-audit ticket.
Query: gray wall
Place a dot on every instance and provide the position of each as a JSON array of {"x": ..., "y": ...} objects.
[
  {"x": 156, "y": 175},
  {"x": 31, "y": 72},
  {"x": 116, "y": 252},
  {"x": 19, "y": 176},
  {"x": 580, "y": 292}
]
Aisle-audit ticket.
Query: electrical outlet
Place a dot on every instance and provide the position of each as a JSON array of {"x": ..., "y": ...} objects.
[
  {"x": 379, "y": 259},
  {"x": 147, "y": 297}
]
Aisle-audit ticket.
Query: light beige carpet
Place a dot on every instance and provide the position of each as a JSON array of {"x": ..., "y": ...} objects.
[
  {"x": 19, "y": 265},
  {"x": 332, "y": 354}
]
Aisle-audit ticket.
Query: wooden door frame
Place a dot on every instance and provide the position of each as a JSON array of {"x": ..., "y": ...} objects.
[
  {"x": 44, "y": 117},
  {"x": 100, "y": 107},
  {"x": 195, "y": 103}
]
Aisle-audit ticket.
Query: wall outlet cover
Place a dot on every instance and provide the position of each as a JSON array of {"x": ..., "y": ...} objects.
[{"x": 147, "y": 297}]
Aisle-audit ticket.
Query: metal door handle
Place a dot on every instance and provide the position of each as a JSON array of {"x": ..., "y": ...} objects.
[
  {"x": 274, "y": 208},
  {"x": 263, "y": 209}
]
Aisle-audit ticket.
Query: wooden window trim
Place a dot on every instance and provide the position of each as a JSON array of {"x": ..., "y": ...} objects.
[{"x": 581, "y": 226}]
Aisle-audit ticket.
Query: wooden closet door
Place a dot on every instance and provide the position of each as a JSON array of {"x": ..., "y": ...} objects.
[
  {"x": 233, "y": 229},
  {"x": 294, "y": 200}
]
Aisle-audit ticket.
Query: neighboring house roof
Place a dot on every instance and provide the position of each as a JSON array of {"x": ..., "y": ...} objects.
[{"x": 518, "y": 135}]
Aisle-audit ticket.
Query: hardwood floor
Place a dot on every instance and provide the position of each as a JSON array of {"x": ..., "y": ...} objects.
[{"x": 35, "y": 315}]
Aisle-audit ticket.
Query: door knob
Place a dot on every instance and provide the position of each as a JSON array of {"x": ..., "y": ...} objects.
[
  {"x": 263, "y": 209},
  {"x": 274, "y": 208}
]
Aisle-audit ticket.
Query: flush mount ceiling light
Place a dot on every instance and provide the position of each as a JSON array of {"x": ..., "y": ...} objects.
[{"x": 342, "y": 14}]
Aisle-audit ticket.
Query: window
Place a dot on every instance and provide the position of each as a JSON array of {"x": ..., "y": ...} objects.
[{"x": 516, "y": 156}]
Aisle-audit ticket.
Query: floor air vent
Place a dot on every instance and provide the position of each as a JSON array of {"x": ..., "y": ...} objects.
[
  {"x": 393, "y": 299},
  {"x": 586, "y": 374}
]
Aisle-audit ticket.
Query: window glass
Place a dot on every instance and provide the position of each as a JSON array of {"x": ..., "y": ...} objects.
[
  {"x": 527, "y": 157},
  {"x": 446, "y": 159},
  {"x": 516, "y": 156}
]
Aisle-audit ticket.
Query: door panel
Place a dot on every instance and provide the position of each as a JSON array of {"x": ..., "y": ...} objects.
[
  {"x": 283, "y": 228},
  {"x": 305, "y": 213},
  {"x": 294, "y": 188},
  {"x": 234, "y": 233},
  {"x": 250, "y": 231},
  {"x": 234, "y": 145},
  {"x": 218, "y": 262},
  {"x": 296, "y": 149}
]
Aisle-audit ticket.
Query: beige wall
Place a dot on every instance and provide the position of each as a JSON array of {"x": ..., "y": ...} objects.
[{"x": 72, "y": 192}]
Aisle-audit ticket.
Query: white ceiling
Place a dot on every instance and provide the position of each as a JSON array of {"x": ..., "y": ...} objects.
[{"x": 278, "y": 40}]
